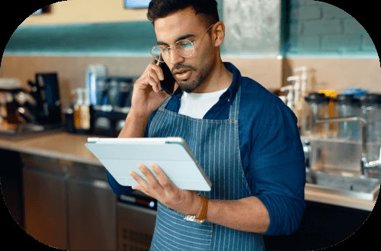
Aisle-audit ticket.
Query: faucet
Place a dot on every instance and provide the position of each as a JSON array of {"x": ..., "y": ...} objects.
[
  {"x": 374, "y": 163},
  {"x": 365, "y": 164}
]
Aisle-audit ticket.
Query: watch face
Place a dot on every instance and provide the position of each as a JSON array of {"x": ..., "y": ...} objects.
[
  {"x": 193, "y": 218},
  {"x": 201, "y": 213}
]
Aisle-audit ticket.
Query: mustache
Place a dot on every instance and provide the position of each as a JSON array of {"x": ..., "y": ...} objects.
[{"x": 180, "y": 67}]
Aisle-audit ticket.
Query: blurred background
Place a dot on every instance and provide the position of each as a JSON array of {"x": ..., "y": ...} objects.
[{"x": 67, "y": 73}]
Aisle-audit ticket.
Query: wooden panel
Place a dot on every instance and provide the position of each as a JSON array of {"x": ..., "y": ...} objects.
[
  {"x": 338, "y": 73},
  {"x": 71, "y": 70},
  {"x": 85, "y": 11}
]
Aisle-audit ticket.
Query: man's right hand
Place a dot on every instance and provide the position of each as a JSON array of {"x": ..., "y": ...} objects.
[{"x": 146, "y": 97}]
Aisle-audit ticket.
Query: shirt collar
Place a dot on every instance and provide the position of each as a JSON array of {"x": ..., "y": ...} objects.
[{"x": 232, "y": 90}]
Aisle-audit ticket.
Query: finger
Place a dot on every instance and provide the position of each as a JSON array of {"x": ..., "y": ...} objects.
[
  {"x": 141, "y": 181},
  {"x": 154, "y": 82},
  {"x": 152, "y": 75},
  {"x": 151, "y": 180},
  {"x": 139, "y": 188},
  {"x": 142, "y": 185},
  {"x": 162, "y": 178},
  {"x": 158, "y": 71},
  {"x": 148, "y": 77}
]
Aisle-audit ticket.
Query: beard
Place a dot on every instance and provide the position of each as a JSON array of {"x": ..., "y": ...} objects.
[{"x": 189, "y": 85}]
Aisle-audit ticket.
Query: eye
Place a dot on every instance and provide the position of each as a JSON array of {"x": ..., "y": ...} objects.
[
  {"x": 156, "y": 50},
  {"x": 164, "y": 49},
  {"x": 184, "y": 44}
]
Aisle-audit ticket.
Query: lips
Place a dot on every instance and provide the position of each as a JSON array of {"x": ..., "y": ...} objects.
[{"x": 182, "y": 74}]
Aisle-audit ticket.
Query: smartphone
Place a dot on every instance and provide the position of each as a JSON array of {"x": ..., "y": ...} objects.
[{"x": 168, "y": 83}]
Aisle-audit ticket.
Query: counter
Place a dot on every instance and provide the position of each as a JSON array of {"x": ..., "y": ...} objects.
[
  {"x": 60, "y": 145},
  {"x": 71, "y": 147}
]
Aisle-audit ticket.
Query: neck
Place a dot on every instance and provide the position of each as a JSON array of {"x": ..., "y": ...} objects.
[{"x": 218, "y": 79}]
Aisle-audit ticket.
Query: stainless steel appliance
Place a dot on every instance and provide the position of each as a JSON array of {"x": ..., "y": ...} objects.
[
  {"x": 45, "y": 200},
  {"x": 45, "y": 91},
  {"x": 68, "y": 205},
  {"x": 136, "y": 216},
  {"x": 111, "y": 103},
  {"x": 91, "y": 210},
  {"x": 24, "y": 111}
]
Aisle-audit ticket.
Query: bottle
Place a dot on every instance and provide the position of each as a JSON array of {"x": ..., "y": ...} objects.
[
  {"x": 81, "y": 111},
  {"x": 93, "y": 72}
]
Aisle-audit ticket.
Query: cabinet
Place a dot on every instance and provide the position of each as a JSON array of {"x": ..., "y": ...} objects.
[
  {"x": 91, "y": 214},
  {"x": 68, "y": 205},
  {"x": 135, "y": 226},
  {"x": 322, "y": 226},
  {"x": 11, "y": 184},
  {"x": 45, "y": 203}
]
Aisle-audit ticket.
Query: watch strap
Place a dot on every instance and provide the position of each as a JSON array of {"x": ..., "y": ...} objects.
[{"x": 200, "y": 217}]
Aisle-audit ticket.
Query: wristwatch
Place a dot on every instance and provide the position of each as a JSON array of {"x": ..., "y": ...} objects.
[{"x": 200, "y": 217}]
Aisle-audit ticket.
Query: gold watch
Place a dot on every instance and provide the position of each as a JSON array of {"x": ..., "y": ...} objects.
[{"x": 200, "y": 217}]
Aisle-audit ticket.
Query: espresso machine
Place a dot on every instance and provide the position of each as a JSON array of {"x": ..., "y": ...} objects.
[
  {"x": 45, "y": 91},
  {"x": 9, "y": 117},
  {"x": 32, "y": 109},
  {"x": 348, "y": 142},
  {"x": 110, "y": 101}
]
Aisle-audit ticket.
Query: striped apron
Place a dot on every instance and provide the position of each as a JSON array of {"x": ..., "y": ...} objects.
[{"x": 215, "y": 144}]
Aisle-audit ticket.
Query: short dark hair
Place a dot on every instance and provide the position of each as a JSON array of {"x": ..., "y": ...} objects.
[{"x": 162, "y": 8}]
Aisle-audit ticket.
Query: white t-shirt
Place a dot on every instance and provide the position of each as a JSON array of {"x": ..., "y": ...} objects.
[{"x": 196, "y": 105}]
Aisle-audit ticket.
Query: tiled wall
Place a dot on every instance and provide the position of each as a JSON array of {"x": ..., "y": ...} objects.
[
  {"x": 315, "y": 27},
  {"x": 252, "y": 28},
  {"x": 116, "y": 38},
  {"x": 320, "y": 36}
]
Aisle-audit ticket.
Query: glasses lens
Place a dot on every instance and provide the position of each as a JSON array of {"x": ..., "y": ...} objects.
[
  {"x": 156, "y": 52},
  {"x": 185, "y": 48}
]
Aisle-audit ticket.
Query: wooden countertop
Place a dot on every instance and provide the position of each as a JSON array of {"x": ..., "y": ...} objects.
[
  {"x": 71, "y": 147},
  {"x": 61, "y": 145}
]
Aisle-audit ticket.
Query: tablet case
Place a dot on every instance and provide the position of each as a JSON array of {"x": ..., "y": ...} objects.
[{"x": 122, "y": 155}]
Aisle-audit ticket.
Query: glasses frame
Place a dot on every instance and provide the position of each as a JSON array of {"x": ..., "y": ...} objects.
[{"x": 159, "y": 57}]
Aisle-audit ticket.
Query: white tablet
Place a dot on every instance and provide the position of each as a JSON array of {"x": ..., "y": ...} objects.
[{"x": 122, "y": 155}]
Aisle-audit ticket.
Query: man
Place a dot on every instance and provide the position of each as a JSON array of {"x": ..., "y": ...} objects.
[{"x": 244, "y": 137}]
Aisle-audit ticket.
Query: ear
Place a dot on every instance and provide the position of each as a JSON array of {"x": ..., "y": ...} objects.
[{"x": 218, "y": 33}]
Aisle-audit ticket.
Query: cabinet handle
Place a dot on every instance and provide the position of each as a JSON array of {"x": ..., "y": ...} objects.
[{"x": 100, "y": 184}]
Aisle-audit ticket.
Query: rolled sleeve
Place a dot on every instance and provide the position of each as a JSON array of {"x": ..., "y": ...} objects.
[
  {"x": 277, "y": 169},
  {"x": 116, "y": 187}
]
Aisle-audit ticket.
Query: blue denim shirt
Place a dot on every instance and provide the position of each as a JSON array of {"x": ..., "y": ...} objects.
[{"x": 271, "y": 150}]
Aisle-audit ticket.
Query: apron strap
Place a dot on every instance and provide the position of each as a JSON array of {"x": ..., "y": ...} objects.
[
  {"x": 164, "y": 104},
  {"x": 234, "y": 107}
]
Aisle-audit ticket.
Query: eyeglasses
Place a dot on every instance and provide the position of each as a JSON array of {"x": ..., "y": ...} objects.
[{"x": 184, "y": 48}]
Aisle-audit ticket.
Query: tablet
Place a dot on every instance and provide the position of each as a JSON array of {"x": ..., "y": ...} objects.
[{"x": 122, "y": 155}]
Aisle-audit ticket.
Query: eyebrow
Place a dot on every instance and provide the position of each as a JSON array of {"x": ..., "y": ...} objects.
[{"x": 178, "y": 39}]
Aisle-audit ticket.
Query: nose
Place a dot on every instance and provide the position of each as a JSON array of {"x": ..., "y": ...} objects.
[{"x": 174, "y": 57}]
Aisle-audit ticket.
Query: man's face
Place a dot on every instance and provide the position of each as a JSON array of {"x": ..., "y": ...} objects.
[{"x": 191, "y": 72}]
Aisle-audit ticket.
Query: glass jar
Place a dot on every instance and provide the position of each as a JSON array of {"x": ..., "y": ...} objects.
[
  {"x": 371, "y": 110},
  {"x": 348, "y": 106},
  {"x": 317, "y": 108}
]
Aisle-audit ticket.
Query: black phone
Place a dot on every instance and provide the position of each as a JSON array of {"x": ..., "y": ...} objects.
[{"x": 168, "y": 84}]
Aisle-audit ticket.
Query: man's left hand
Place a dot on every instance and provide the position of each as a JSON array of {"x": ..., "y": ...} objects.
[{"x": 156, "y": 184}]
